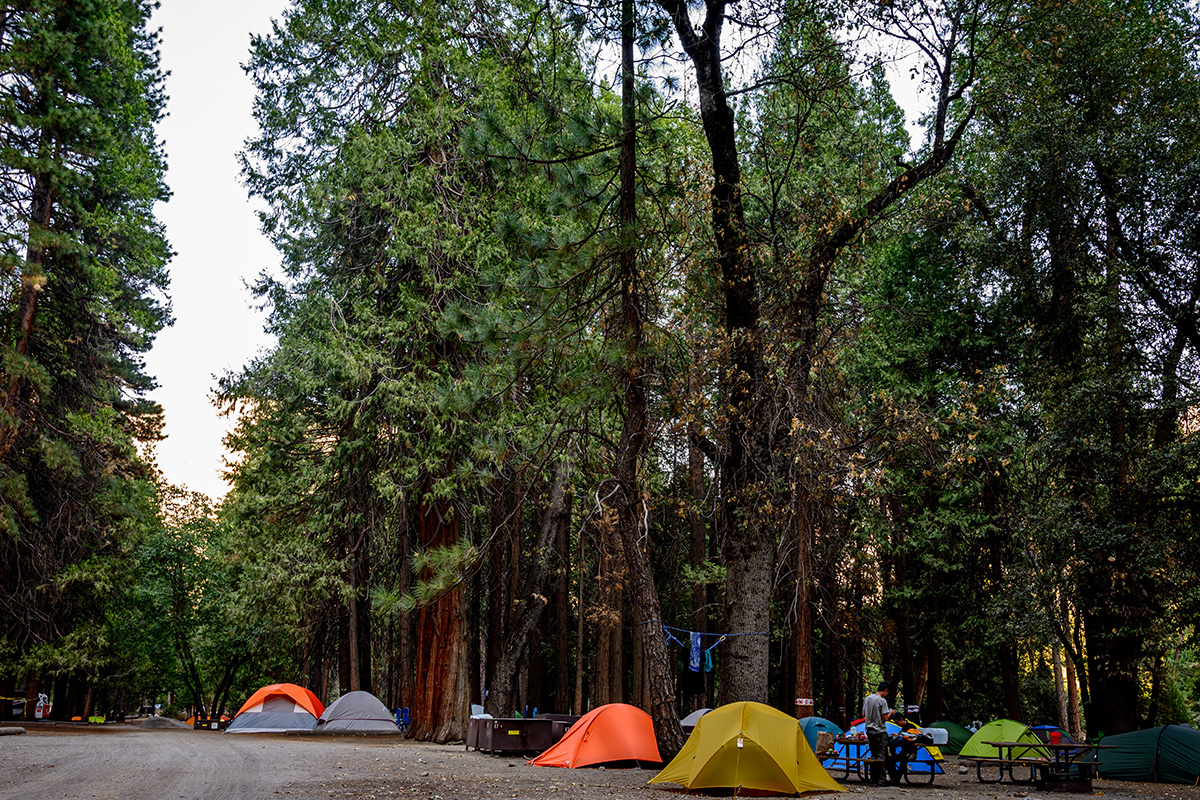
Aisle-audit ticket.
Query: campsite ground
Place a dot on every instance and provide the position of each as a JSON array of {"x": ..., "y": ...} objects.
[{"x": 119, "y": 762}]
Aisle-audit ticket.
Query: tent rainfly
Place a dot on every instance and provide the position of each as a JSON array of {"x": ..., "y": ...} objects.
[
  {"x": 610, "y": 733},
  {"x": 277, "y": 708},
  {"x": 814, "y": 725},
  {"x": 357, "y": 712},
  {"x": 1003, "y": 730},
  {"x": 1168, "y": 754},
  {"x": 750, "y": 748}
]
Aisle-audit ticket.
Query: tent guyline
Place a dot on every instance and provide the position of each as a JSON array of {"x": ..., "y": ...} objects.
[{"x": 695, "y": 647}]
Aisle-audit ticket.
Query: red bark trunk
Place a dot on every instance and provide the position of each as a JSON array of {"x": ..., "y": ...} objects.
[{"x": 439, "y": 705}]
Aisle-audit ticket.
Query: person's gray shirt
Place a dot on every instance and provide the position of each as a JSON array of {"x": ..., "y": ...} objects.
[{"x": 874, "y": 707}]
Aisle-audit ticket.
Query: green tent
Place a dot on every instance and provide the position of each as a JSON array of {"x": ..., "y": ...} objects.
[
  {"x": 956, "y": 734},
  {"x": 1003, "y": 730},
  {"x": 1170, "y": 754}
]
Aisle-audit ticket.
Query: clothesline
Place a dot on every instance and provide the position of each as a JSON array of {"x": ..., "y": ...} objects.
[
  {"x": 667, "y": 627},
  {"x": 695, "y": 647}
]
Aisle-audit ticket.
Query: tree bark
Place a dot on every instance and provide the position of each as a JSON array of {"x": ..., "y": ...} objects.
[
  {"x": 632, "y": 522},
  {"x": 562, "y": 616},
  {"x": 439, "y": 706},
  {"x": 577, "y": 705},
  {"x": 805, "y": 598},
  {"x": 697, "y": 556},
  {"x": 749, "y": 554},
  {"x": 1060, "y": 689},
  {"x": 406, "y": 667},
  {"x": 497, "y": 594},
  {"x": 602, "y": 683},
  {"x": 1076, "y": 720},
  {"x": 33, "y": 281}
]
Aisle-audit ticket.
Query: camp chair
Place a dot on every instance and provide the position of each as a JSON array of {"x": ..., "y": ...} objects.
[{"x": 403, "y": 720}]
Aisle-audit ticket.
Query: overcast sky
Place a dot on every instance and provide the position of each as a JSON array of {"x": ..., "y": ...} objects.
[{"x": 211, "y": 226}]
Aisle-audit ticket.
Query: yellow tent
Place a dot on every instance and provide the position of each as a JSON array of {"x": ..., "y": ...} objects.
[{"x": 750, "y": 748}]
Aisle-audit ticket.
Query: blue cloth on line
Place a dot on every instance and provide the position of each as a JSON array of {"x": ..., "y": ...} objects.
[{"x": 694, "y": 654}]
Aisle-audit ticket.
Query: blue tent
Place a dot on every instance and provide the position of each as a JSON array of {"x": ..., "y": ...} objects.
[
  {"x": 1044, "y": 732},
  {"x": 813, "y": 725}
]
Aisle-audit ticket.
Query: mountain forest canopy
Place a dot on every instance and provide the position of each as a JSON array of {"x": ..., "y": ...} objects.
[{"x": 626, "y": 352}]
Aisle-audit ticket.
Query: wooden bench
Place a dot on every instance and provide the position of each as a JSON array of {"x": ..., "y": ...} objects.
[{"x": 1006, "y": 764}]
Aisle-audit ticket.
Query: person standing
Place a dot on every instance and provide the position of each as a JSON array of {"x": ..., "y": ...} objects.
[{"x": 875, "y": 716}]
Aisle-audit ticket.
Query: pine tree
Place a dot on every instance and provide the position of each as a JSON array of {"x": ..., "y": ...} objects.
[{"x": 84, "y": 275}]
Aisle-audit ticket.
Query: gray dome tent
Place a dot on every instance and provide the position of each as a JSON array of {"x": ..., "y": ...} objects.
[{"x": 357, "y": 712}]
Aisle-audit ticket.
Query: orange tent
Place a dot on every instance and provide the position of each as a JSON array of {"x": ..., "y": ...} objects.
[
  {"x": 302, "y": 697},
  {"x": 277, "y": 708},
  {"x": 615, "y": 732}
]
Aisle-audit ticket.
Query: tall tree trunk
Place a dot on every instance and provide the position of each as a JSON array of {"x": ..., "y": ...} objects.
[
  {"x": 805, "y": 597},
  {"x": 1076, "y": 719},
  {"x": 633, "y": 524},
  {"x": 355, "y": 667},
  {"x": 602, "y": 683},
  {"x": 345, "y": 662},
  {"x": 1060, "y": 689},
  {"x": 562, "y": 616},
  {"x": 616, "y": 653},
  {"x": 577, "y": 705},
  {"x": 697, "y": 555},
  {"x": 406, "y": 667},
  {"x": 221, "y": 698},
  {"x": 749, "y": 554},
  {"x": 637, "y": 674},
  {"x": 360, "y": 610},
  {"x": 33, "y": 281},
  {"x": 474, "y": 621},
  {"x": 497, "y": 593},
  {"x": 439, "y": 706}
]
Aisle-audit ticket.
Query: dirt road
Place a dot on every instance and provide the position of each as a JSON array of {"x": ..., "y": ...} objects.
[{"x": 128, "y": 763}]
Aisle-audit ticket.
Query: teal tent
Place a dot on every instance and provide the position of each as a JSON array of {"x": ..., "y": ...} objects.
[
  {"x": 1170, "y": 754},
  {"x": 813, "y": 725},
  {"x": 956, "y": 736}
]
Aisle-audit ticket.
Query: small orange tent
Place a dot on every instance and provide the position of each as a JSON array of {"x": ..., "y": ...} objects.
[
  {"x": 276, "y": 708},
  {"x": 302, "y": 697},
  {"x": 615, "y": 732}
]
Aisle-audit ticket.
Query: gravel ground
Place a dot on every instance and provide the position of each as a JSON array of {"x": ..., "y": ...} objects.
[{"x": 115, "y": 762}]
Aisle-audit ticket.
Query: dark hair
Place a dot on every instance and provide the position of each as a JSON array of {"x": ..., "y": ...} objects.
[{"x": 883, "y": 686}]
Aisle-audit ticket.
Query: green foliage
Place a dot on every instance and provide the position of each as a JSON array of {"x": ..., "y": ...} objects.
[{"x": 83, "y": 271}]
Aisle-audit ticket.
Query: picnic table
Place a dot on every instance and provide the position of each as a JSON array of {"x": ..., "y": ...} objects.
[
  {"x": 1053, "y": 766},
  {"x": 1071, "y": 769},
  {"x": 1010, "y": 755},
  {"x": 857, "y": 757}
]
